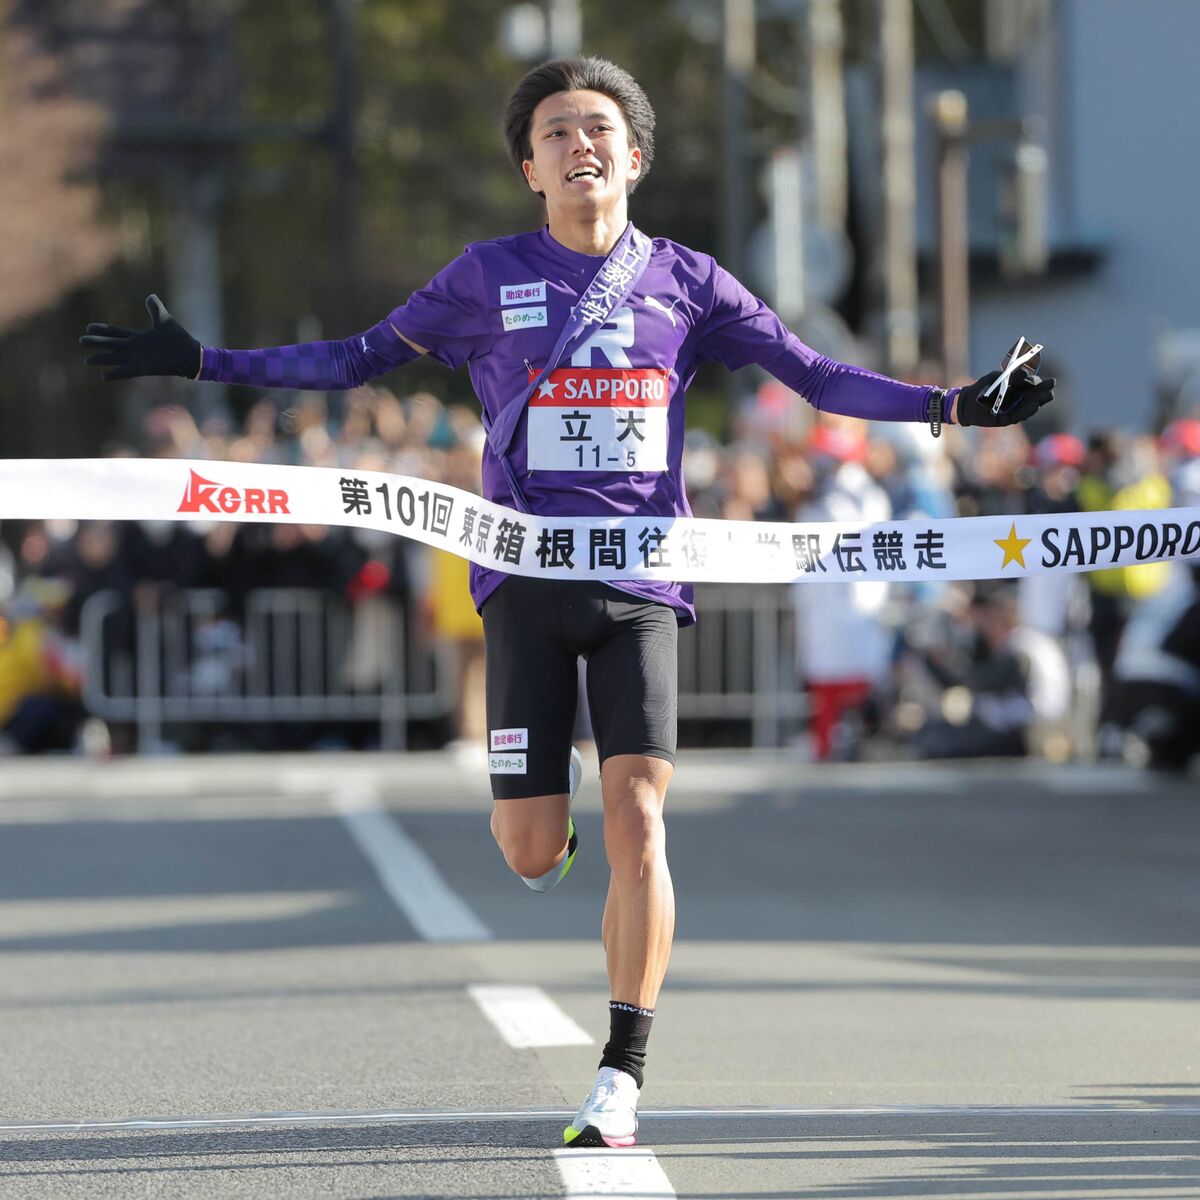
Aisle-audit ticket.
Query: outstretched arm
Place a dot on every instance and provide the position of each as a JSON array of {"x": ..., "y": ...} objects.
[
  {"x": 166, "y": 348},
  {"x": 314, "y": 365},
  {"x": 832, "y": 386},
  {"x": 740, "y": 329}
]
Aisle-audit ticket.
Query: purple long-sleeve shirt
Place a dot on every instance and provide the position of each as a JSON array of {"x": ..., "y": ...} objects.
[{"x": 604, "y": 434}]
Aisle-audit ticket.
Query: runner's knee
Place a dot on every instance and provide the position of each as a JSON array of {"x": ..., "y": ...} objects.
[
  {"x": 531, "y": 842},
  {"x": 633, "y": 826}
]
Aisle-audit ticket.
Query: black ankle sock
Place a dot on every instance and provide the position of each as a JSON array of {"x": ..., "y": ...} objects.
[{"x": 629, "y": 1027}]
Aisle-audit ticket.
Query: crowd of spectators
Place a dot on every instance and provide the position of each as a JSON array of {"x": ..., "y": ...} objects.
[
  {"x": 1106, "y": 662},
  {"x": 1103, "y": 663}
]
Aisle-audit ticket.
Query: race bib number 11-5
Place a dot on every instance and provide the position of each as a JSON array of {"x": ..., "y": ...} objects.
[{"x": 596, "y": 419}]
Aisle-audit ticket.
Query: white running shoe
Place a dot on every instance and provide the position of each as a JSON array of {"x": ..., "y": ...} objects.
[
  {"x": 608, "y": 1117},
  {"x": 556, "y": 875},
  {"x": 574, "y": 773}
]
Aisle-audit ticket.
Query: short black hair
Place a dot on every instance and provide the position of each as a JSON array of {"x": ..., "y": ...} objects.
[{"x": 574, "y": 75}]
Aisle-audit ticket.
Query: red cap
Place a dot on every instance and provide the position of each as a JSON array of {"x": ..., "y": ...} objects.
[
  {"x": 846, "y": 445},
  {"x": 1183, "y": 435},
  {"x": 1059, "y": 450}
]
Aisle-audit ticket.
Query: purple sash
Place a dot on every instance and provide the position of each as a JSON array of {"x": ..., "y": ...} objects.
[{"x": 617, "y": 277}]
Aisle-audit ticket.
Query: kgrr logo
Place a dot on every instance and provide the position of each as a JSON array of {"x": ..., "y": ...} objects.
[{"x": 204, "y": 496}]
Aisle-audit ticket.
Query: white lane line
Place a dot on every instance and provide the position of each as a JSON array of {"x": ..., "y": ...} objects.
[
  {"x": 631, "y": 1174},
  {"x": 527, "y": 1017},
  {"x": 428, "y": 1116},
  {"x": 436, "y": 912},
  {"x": 1090, "y": 781}
]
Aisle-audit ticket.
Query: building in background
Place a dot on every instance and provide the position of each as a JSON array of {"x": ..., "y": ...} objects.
[{"x": 1116, "y": 85}]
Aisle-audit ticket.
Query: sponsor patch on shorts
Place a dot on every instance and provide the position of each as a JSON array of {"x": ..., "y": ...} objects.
[
  {"x": 510, "y": 739},
  {"x": 500, "y": 763}
]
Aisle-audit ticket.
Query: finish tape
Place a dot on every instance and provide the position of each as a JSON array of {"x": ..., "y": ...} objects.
[{"x": 633, "y": 547}]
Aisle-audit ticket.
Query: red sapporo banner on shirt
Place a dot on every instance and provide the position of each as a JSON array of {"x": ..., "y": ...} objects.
[
  {"x": 644, "y": 546},
  {"x": 599, "y": 419}
]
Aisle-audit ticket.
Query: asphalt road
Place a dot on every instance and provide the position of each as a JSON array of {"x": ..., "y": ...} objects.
[{"x": 887, "y": 982}]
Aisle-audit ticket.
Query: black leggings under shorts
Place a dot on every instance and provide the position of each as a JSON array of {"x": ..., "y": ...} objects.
[{"x": 534, "y": 632}]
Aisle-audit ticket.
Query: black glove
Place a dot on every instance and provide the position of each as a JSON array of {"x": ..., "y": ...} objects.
[
  {"x": 1026, "y": 394},
  {"x": 166, "y": 348}
]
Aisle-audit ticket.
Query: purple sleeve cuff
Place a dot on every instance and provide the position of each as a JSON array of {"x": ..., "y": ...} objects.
[
  {"x": 947, "y": 405},
  {"x": 832, "y": 386},
  {"x": 320, "y": 366}
]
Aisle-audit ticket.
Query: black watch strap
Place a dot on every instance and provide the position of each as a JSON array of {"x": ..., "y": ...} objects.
[{"x": 937, "y": 410}]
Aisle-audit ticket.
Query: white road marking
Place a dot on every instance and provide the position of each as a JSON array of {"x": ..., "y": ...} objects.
[
  {"x": 527, "y": 1017},
  {"x": 426, "y": 1116},
  {"x": 45, "y": 810},
  {"x": 436, "y": 912},
  {"x": 902, "y": 779},
  {"x": 632, "y": 1174},
  {"x": 1084, "y": 780}
]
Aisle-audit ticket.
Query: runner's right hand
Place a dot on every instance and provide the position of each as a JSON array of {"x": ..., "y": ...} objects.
[{"x": 166, "y": 348}]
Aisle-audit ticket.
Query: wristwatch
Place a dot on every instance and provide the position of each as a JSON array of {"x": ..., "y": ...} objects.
[{"x": 937, "y": 409}]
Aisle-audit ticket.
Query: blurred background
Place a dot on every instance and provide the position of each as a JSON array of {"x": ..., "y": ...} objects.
[{"x": 911, "y": 183}]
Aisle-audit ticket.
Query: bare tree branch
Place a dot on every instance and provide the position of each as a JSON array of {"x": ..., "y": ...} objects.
[{"x": 52, "y": 237}]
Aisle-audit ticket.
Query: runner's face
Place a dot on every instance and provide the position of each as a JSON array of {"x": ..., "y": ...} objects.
[{"x": 582, "y": 161}]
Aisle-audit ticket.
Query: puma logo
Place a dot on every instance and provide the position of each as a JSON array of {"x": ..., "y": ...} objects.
[{"x": 651, "y": 302}]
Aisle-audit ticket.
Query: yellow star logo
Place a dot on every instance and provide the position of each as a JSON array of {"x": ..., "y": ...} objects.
[{"x": 1013, "y": 547}]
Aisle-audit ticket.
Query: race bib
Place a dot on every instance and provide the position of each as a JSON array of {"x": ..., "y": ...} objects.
[{"x": 600, "y": 419}]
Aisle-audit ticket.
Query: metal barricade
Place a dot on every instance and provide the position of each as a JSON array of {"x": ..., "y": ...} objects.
[
  {"x": 737, "y": 663},
  {"x": 298, "y": 655}
]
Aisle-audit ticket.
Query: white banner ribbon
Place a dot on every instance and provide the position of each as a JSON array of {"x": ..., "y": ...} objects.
[{"x": 637, "y": 547}]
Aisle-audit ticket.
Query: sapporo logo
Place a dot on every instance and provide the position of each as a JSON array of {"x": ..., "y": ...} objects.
[
  {"x": 204, "y": 496},
  {"x": 611, "y": 386}
]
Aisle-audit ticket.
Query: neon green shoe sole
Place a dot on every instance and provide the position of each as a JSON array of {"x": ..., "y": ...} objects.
[{"x": 572, "y": 846}]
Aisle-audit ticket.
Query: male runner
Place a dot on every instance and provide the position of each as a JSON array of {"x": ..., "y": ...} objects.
[{"x": 601, "y": 435}]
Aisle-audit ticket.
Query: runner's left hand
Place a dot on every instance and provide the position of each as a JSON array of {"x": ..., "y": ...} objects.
[{"x": 1027, "y": 393}]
